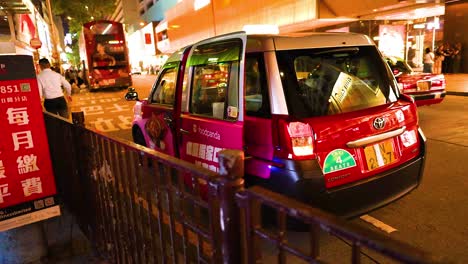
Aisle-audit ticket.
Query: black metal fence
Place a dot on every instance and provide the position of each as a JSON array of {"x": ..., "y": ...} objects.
[{"x": 137, "y": 205}]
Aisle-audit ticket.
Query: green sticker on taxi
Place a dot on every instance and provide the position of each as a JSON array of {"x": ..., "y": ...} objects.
[{"x": 338, "y": 159}]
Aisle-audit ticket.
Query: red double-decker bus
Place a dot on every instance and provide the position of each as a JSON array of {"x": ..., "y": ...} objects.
[{"x": 105, "y": 55}]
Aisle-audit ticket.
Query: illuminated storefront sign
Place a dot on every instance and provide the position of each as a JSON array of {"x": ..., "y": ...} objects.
[
  {"x": 27, "y": 187},
  {"x": 392, "y": 40}
]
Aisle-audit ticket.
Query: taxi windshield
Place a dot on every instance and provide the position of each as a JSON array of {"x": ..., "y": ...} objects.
[{"x": 320, "y": 82}]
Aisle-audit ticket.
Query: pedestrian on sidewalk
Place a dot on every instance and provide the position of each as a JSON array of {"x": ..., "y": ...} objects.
[
  {"x": 447, "y": 64},
  {"x": 412, "y": 55},
  {"x": 439, "y": 58},
  {"x": 456, "y": 57},
  {"x": 428, "y": 61},
  {"x": 50, "y": 89}
]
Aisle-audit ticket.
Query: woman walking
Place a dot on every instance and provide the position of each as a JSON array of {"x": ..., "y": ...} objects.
[{"x": 428, "y": 61}]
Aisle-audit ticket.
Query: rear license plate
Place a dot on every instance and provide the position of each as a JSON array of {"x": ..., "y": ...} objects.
[
  {"x": 380, "y": 154},
  {"x": 424, "y": 86}
]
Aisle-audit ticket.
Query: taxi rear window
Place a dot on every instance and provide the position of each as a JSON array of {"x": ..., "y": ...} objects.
[{"x": 320, "y": 82}]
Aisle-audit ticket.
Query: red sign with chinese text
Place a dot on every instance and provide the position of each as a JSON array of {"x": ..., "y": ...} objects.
[
  {"x": 26, "y": 178},
  {"x": 35, "y": 43},
  {"x": 148, "y": 38}
]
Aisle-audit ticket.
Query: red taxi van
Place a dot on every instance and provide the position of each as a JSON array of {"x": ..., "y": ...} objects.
[{"x": 320, "y": 117}]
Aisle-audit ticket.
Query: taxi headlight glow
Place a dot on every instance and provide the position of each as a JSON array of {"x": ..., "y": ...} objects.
[{"x": 137, "y": 109}]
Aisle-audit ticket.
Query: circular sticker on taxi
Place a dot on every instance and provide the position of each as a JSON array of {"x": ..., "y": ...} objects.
[{"x": 338, "y": 159}]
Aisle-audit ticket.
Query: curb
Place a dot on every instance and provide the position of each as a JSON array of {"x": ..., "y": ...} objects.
[{"x": 457, "y": 93}]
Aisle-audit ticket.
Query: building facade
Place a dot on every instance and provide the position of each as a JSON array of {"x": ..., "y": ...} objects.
[{"x": 404, "y": 23}]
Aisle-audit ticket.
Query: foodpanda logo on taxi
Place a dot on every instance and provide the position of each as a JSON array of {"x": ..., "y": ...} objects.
[
  {"x": 207, "y": 153},
  {"x": 206, "y": 132}
]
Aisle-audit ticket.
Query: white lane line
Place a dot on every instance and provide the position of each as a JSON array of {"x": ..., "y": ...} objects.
[{"x": 377, "y": 223}]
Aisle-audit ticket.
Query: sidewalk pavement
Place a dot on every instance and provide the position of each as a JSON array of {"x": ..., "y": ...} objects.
[
  {"x": 457, "y": 84},
  {"x": 66, "y": 244}
]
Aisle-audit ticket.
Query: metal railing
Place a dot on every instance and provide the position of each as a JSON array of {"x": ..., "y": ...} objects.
[
  {"x": 359, "y": 245},
  {"x": 137, "y": 205},
  {"x": 140, "y": 206}
]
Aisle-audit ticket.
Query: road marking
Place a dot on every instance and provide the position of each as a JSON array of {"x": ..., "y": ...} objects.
[{"x": 377, "y": 223}]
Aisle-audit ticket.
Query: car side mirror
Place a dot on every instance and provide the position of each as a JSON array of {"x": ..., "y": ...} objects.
[
  {"x": 131, "y": 94},
  {"x": 397, "y": 72}
]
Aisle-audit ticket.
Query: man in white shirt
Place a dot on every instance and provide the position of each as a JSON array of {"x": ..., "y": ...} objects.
[{"x": 50, "y": 89}]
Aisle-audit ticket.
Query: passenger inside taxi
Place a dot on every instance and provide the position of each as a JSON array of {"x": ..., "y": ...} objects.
[{"x": 167, "y": 93}]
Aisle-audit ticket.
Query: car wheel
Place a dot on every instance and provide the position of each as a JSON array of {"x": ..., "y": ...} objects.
[
  {"x": 138, "y": 136},
  {"x": 139, "y": 139}
]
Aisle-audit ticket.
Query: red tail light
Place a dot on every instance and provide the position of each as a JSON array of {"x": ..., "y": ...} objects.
[
  {"x": 409, "y": 138},
  {"x": 301, "y": 139},
  {"x": 438, "y": 83},
  {"x": 295, "y": 140},
  {"x": 407, "y": 85}
]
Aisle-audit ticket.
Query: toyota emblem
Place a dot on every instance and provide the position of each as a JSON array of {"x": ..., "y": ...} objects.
[{"x": 379, "y": 123}]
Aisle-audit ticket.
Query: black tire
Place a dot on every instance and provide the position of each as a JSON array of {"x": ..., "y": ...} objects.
[
  {"x": 269, "y": 215},
  {"x": 138, "y": 136},
  {"x": 139, "y": 139}
]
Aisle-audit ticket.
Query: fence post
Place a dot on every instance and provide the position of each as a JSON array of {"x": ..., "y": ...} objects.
[
  {"x": 78, "y": 193},
  {"x": 231, "y": 169},
  {"x": 78, "y": 118}
]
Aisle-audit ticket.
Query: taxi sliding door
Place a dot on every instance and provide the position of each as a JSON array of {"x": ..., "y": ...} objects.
[{"x": 212, "y": 109}]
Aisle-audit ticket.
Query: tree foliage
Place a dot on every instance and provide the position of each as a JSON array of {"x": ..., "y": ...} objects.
[
  {"x": 79, "y": 12},
  {"x": 82, "y": 11}
]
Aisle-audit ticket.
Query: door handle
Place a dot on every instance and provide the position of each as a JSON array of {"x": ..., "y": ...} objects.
[
  {"x": 183, "y": 131},
  {"x": 372, "y": 139},
  {"x": 168, "y": 120}
]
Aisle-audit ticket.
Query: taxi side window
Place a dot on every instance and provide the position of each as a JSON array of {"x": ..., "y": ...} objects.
[
  {"x": 165, "y": 87},
  {"x": 215, "y": 80},
  {"x": 256, "y": 90}
]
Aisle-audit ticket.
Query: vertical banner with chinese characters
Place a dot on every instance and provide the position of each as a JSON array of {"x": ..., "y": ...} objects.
[{"x": 27, "y": 186}]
